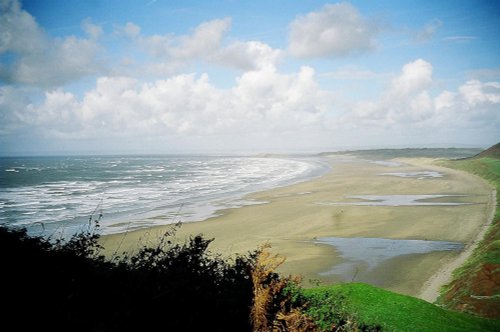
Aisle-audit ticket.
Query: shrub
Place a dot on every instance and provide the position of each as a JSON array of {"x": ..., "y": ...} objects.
[{"x": 69, "y": 286}]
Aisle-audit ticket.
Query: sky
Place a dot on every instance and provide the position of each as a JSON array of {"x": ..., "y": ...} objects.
[{"x": 153, "y": 76}]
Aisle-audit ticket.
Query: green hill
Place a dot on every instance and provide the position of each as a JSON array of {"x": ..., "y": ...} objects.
[
  {"x": 476, "y": 285},
  {"x": 492, "y": 152},
  {"x": 372, "y": 306}
]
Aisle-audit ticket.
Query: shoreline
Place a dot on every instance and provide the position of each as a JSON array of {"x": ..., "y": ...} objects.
[
  {"x": 292, "y": 219},
  {"x": 202, "y": 208}
]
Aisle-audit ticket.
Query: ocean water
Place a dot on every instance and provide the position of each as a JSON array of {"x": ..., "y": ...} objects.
[{"x": 58, "y": 195}]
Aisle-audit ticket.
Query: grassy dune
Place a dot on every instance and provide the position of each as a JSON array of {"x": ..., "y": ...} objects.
[
  {"x": 476, "y": 285},
  {"x": 390, "y": 311}
]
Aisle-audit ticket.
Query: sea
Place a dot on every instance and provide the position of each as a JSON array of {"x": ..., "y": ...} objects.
[{"x": 61, "y": 196}]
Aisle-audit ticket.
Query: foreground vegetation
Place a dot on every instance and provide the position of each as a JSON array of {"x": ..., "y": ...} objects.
[
  {"x": 476, "y": 285},
  {"x": 70, "y": 286}
]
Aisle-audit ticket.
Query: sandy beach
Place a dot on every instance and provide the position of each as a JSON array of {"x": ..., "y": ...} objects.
[{"x": 292, "y": 218}]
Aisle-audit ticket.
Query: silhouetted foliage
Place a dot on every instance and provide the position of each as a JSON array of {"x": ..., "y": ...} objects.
[{"x": 67, "y": 285}]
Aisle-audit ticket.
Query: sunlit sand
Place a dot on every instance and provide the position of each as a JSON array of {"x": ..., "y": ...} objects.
[{"x": 293, "y": 221}]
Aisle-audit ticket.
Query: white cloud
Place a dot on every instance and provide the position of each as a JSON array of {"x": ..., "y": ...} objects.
[
  {"x": 415, "y": 77},
  {"x": 130, "y": 30},
  {"x": 13, "y": 106},
  {"x": 204, "y": 40},
  {"x": 205, "y": 44},
  {"x": 335, "y": 30},
  {"x": 476, "y": 93},
  {"x": 406, "y": 100},
  {"x": 39, "y": 60},
  {"x": 263, "y": 108},
  {"x": 63, "y": 61},
  {"x": 19, "y": 30},
  {"x": 247, "y": 55},
  {"x": 407, "y": 104},
  {"x": 58, "y": 115},
  {"x": 262, "y": 102}
]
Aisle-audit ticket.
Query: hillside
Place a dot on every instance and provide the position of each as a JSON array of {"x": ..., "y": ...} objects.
[
  {"x": 372, "y": 306},
  {"x": 492, "y": 152},
  {"x": 448, "y": 153},
  {"x": 476, "y": 285}
]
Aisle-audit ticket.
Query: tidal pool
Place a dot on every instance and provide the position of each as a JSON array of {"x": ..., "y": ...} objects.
[
  {"x": 386, "y": 163},
  {"x": 398, "y": 200},
  {"x": 418, "y": 175},
  {"x": 364, "y": 254}
]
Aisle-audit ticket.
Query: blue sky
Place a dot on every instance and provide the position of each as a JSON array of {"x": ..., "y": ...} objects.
[{"x": 245, "y": 77}]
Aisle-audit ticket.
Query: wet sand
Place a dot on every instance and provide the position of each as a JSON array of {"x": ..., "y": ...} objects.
[{"x": 292, "y": 219}]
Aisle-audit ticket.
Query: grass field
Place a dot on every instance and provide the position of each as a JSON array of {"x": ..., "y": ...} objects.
[{"x": 372, "y": 306}]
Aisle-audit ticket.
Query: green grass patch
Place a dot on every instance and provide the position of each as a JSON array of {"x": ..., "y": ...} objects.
[
  {"x": 487, "y": 168},
  {"x": 372, "y": 306},
  {"x": 488, "y": 250}
]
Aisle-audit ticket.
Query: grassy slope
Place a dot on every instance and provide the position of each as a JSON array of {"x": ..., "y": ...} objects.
[
  {"x": 396, "y": 312},
  {"x": 480, "y": 274}
]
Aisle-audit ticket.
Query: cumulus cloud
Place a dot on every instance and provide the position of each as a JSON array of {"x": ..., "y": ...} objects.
[
  {"x": 205, "y": 44},
  {"x": 130, "y": 30},
  {"x": 205, "y": 39},
  {"x": 20, "y": 32},
  {"x": 247, "y": 55},
  {"x": 13, "y": 105},
  {"x": 263, "y": 101},
  {"x": 29, "y": 56},
  {"x": 408, "y": 103},
  {"x": 334, "y": 30}
]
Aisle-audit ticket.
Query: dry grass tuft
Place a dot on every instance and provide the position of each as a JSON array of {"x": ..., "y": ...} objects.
[{"x": 273, "y": 310}]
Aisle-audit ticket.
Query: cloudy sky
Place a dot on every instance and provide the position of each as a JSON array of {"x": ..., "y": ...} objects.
[{"x": 159, "y": 76}]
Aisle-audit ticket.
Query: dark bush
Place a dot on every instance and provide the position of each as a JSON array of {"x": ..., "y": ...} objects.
[{"x": 69, "y": 286}]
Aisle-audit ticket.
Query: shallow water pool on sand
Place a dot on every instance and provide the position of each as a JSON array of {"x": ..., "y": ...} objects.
[
  {"x": 367, "y": 253},
  {"x": 386, "y": 163},
  {"x": 398, "y": 200},
  {"x": 416, "y": 175}
]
